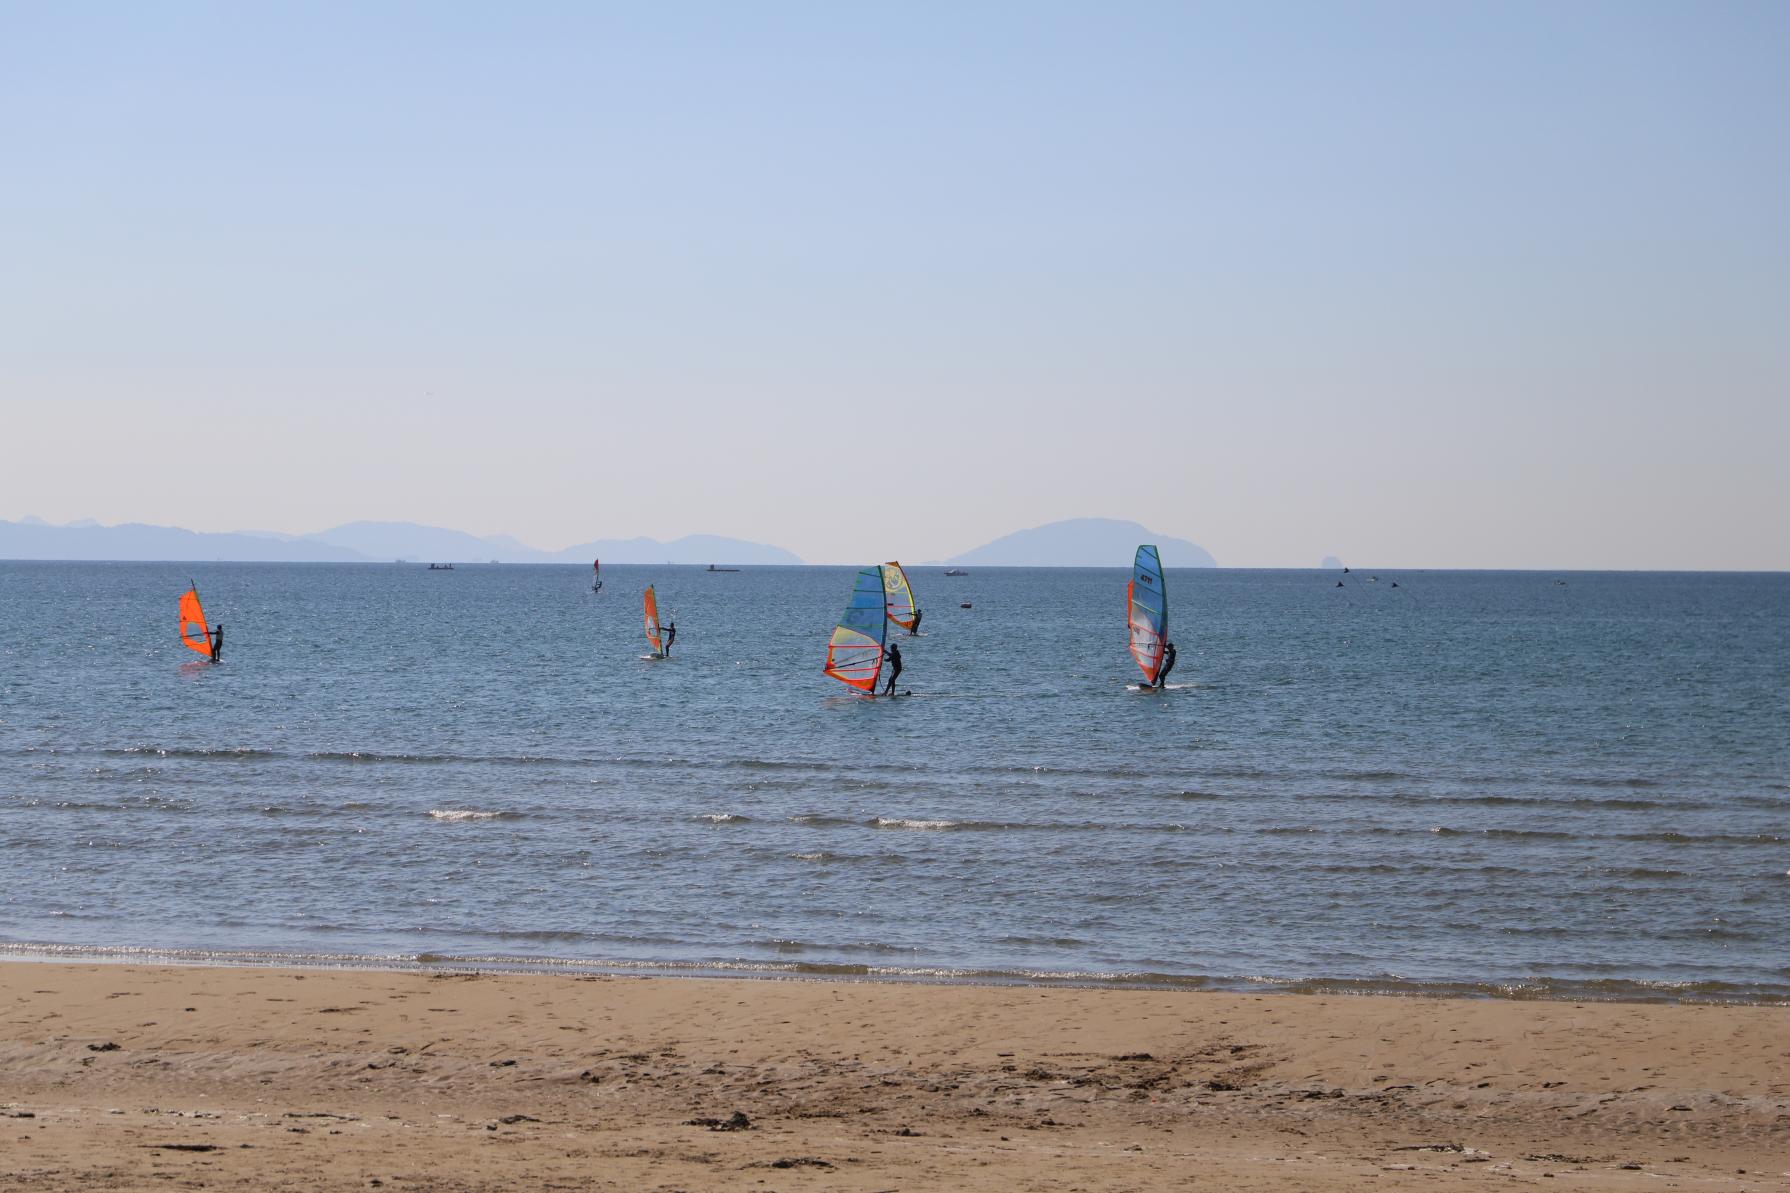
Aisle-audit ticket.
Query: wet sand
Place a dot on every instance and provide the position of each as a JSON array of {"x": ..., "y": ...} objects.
[{"x": 118, "y": 1076}]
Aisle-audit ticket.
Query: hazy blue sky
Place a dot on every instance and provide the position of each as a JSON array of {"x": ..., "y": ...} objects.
[{"x": 1436, "y": 284}]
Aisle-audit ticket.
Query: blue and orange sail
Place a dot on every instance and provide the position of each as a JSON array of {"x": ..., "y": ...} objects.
[
  {"x": 194, "y": 633},
  {"x": 855, "y": 652},
  {"x": 1146, "y": 599},
  {"x": 903, "y": 606}
]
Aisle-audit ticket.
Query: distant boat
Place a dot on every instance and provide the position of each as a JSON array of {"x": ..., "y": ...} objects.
[
  {"x": 956, "y": 572},
  {"x": 903, "y": 606},
  {"x": 855, "y": 651},
  {"x": 1146, "y": 598},
  {"x": 441, "y": 567},
  {"x": 596, "y": 575},
  {"x": 713, "y": 568}
]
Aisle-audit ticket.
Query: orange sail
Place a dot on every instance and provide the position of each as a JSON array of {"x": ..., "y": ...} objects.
[
  {"x": 192, "y": 616},
  {"x": 652, "y": 621}
]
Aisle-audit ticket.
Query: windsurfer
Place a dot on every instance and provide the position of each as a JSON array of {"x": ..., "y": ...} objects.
[
  {"x": 670, "y": 636},
  {"x": 915, "y": 628},
  {"x": 1168, "y": 664},
  {"x": 217, "y": 643},
  {"x": 893, "y": 654}
]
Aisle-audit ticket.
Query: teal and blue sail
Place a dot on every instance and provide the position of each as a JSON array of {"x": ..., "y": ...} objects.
[
  {"x": 1147, "y": 600},
  {"x": 855, "y": 652}
]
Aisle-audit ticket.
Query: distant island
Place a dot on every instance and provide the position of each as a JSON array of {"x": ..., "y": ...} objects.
[
  {"x": 1083, "y": 542},
  {"x": 356, "y": 542}
]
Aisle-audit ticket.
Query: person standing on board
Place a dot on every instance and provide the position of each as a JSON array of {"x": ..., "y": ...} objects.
[
  {"x": 670, "y": 636},
  {"x": 914, "y": 630},
  {"x": 217, "y": 643},
  {"x": 893, "y": 654},
  {"x": 1168, "y": 664}
]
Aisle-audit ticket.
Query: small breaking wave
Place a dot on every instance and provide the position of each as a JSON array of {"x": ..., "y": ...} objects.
[
  {"x": 219, "y": 754},
  {"x": 815, "y": 820},
  {"x": 456, "y": 815},
  {"x": 1677, "y": 838},
  {"x": 943, "y": 824}
]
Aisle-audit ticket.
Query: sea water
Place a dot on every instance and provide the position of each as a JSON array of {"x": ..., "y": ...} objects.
[{"x": 1552, "y": 784}]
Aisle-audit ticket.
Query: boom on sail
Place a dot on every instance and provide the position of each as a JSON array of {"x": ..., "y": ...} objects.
[
  {"x": 1146, "y": 598},
  {"x": 855, "y": 652}
]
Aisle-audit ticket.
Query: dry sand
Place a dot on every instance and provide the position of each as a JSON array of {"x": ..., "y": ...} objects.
[{"x": 142, "y": 1077}]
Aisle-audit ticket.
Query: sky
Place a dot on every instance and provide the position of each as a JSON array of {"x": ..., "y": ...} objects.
[{"x": 1416, "y": 284}]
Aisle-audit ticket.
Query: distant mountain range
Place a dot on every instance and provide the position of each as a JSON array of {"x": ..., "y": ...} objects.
[
  {"x": 1083, "y": 542},
  {"x": 356, "y": 542},
  {"x": 1078, "y": 542}
]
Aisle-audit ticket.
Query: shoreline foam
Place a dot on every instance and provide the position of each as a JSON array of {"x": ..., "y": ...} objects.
[{"x": 1532, "y": 989}]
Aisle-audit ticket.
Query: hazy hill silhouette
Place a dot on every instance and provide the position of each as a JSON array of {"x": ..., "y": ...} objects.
[
  {"x": 136, "y": 541},
  {"x": 357, "y": 542},
  {"x": 1083, "y": 542}
]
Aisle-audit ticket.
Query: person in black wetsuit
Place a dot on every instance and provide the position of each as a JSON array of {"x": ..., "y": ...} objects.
[
  {"x": 916, "y": 627},
  {"x": 670, "y": 636},
  {"x": 893, "y": 655},
  {"x": 217, "y": 643},
  {"x": 1168, "y": 664}
]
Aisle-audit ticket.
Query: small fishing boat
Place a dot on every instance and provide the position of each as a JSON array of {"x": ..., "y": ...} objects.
[
  {"x": 955, "y": 572},
  {"x": 441, "y": 567},
  {"x": 713, "y": 568}
]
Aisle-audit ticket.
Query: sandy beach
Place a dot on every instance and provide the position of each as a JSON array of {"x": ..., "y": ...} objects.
[{"x": 122, "y": 1076}]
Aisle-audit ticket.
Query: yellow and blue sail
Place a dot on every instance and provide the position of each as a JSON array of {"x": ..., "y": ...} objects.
[
  {"x": 1147, "y": 600},
  {"x": 903, "y": 605},
  {"x": 855, "y": 652}
]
